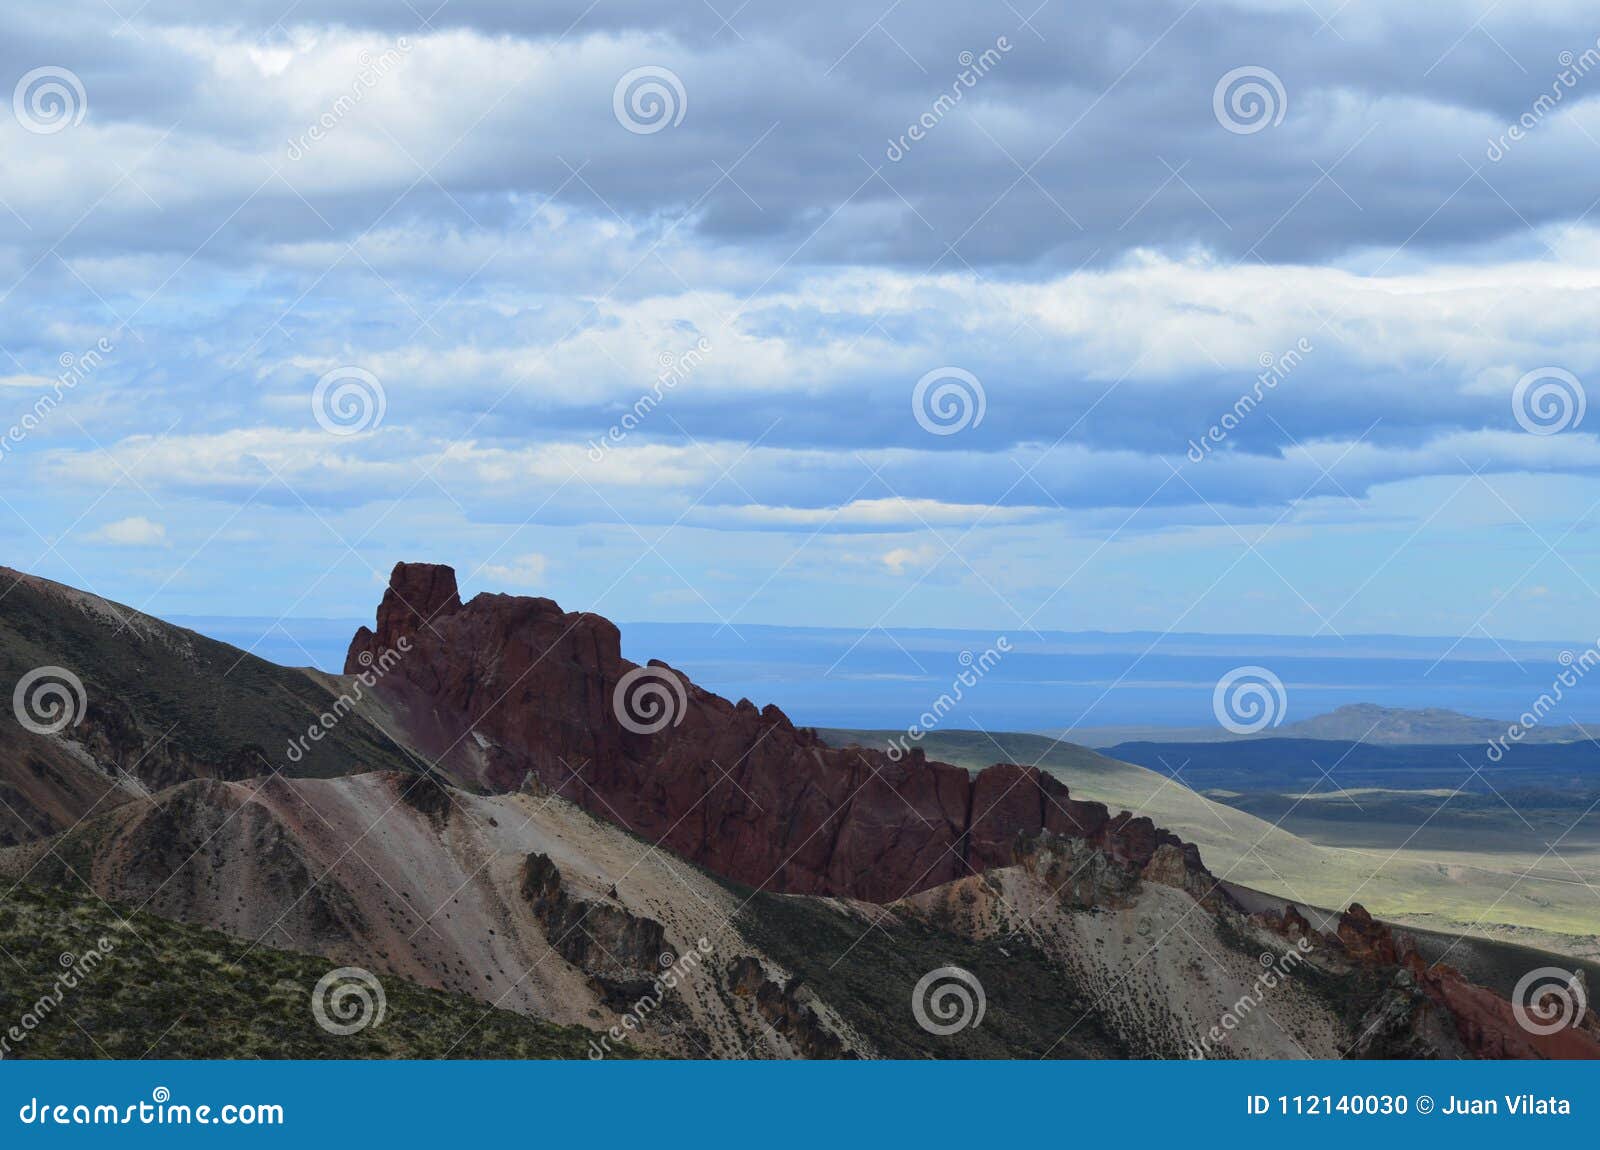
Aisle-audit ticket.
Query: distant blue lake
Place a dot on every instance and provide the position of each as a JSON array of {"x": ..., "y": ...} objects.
[{"x": 828, "y": 677}]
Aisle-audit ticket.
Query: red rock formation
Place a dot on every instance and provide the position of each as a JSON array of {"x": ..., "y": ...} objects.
[
  {"x": 1291, "y": 923},
  {"x": 503, "y": 688},
  {"x": 1365, "y": 939},
  {"x": 1487, "y": 1023}
]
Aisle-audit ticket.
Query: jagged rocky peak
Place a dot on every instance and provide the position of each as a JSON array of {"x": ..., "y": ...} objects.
[{"x": 504, "y": 690}]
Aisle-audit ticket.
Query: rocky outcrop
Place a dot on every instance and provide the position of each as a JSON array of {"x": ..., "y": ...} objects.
[
  {"x": 1401, "y": 1021},
  {"x": 1488, "y": 1025},
  {"x": 621, "y": 952},
  {"x": 1076, "y": 872},
  {"x": 1365, "y": 939},
  {"x": 782, "y": 1009},
  {"x": 506, "y": 692},
  {"x": 1290, "y": 923},
  {"x": 1430, "y": 1010}
]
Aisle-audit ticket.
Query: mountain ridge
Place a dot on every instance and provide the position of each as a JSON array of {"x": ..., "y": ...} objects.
[
  {"x": 527, "y": 852},
  {"x": 502, "y": 689}
]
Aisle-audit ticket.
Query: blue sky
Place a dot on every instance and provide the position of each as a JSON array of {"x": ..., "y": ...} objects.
[{"x": 964, "y": 376}]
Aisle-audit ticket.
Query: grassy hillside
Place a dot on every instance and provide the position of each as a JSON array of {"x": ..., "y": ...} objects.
[
  {"x": 1284, "y": 764},
  {"x": 1468, "y": 882},
  {"x": 166, "y": 699},
  {"x": 168, "y": 990},
  {"x": 868, "y": 974}
]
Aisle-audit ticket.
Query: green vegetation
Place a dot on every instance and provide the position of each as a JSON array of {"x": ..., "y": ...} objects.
[
  {"x": 867, "y": 974},
  {"x": 169, "y": 990},
  {"x": 1473, "y": 867},
  {"x": 181, "y": 698}
]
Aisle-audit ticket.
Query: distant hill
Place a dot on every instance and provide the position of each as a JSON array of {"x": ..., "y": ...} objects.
[
  {"x": 1434, "y": 725},
  {"x": 1357, "y": 722},
  {"x": 1263, "y": 849}
]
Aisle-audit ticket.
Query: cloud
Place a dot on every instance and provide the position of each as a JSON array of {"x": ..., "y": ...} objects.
[
  {"x": 260, "y": 205},
  {"x": 523, "y": 571},
  {"x": 135, "y": 531},
  {"x": 902, "y": 559}
]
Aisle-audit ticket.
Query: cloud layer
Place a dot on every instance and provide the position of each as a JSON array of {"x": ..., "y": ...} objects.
[{"x": 928, "y": 315}]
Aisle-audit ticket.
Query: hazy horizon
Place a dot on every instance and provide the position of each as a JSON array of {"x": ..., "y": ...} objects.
[{"x": 837, "y": 677}]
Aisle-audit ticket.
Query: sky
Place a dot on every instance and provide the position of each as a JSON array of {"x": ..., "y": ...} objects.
[{"x": 1268, "y": 318}]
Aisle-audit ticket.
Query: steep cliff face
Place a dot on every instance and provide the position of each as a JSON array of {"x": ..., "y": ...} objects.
[{"x": 504, "y": 689}]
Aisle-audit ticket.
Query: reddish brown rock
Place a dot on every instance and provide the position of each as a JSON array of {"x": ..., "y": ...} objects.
[
  {"x": 418, "y": 593},
  {"x": 504, "y": 691},
  {"x": 1291, "y": 923},
  {"x": 1365, "y": 939},
  {"x": 1488, "y": 1025}
]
